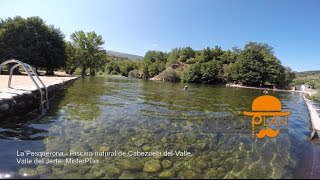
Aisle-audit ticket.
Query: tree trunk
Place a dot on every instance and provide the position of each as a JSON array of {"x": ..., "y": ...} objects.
[
  {"x": 83, "y": 72},
  {"x": 92, "y": 72}
]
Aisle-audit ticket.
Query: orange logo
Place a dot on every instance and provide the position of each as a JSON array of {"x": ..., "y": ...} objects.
[{"x": 267, "y": 109}]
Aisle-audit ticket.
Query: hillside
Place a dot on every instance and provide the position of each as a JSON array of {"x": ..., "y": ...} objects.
[
  {"x": 124, "y": 55},
  {"x": 308, "y": 73}
]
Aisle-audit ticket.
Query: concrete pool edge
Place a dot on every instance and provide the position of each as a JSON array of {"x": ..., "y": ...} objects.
[
  {"x": 314, "y": 118},
  {"x": 26, "y": 98}
]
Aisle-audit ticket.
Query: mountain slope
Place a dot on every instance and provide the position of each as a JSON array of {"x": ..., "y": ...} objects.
[{"x": 124, "y": 55}]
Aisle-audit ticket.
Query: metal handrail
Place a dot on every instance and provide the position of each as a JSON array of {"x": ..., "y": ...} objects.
[{"x": 28, "y": 70}]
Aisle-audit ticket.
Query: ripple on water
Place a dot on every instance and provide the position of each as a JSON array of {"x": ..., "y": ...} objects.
[{"x": 141, "y": 115}]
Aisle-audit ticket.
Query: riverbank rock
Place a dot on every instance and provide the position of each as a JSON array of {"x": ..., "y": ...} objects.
[{"x": 152, "y": 166}]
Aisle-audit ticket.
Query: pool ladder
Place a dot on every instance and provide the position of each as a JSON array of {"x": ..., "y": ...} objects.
[{"x": 44, "y": 103}]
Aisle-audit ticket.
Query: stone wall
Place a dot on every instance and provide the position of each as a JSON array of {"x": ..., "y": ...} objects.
[{"x": 28, "y": 102}]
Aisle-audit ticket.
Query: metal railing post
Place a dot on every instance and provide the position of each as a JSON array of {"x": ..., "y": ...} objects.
[{"x": 28, "y": 70}]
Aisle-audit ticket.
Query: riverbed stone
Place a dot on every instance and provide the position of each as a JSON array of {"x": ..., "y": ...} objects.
[
  {"x": 152, "y": 166},
  {"x": 146, "y": 148},
  {"x": 57, "y": 170},
  {"x": 166, "y": 163},
  {"x": 166, "y": 174},
  {"x": 113, "y": 171},
  {"x": 201, "y": 146},
  {"x": 28, "y": 172},
  {"x": 211, "y": 173},
  {"x": 140, "y": 142},
  {"x": 4, "y": 107},
  {"x": 104, "y": 148},
  {"x": 202, "y": 164},
  {"x": 131, "y": 164},
  {"x": 98, "y": 173},
  {"x": 189, "y": 174},
  {"x": 127, "y": 175},
  {"x": 68, "y": 168},
  {"x": 222, "y": 170},
  {"x": 43, "y": 169},
  {"x": 72, "y": 176}
]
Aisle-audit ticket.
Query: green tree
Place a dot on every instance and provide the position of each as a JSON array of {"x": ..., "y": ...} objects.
[
  {"x": 173, "y": 56},
  {"x": 72, "y": 62},
  {"x": 209, "y": 72},
  {"x": 186, "y": 53},
  {"x": 155, "y": 56},
  {"x": 32, "y": 41},
  {"x": 192, "y": 74},
  {"x": 89, "y": 51}
]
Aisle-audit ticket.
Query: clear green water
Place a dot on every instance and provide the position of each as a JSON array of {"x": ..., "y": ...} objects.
[{"x": 120, "y": 114}]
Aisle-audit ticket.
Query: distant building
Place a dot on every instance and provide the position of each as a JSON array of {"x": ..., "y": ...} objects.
[{"x": 304, "y": 88}]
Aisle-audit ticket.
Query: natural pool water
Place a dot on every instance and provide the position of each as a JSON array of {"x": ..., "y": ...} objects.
[{"x": 123, "y": 114}]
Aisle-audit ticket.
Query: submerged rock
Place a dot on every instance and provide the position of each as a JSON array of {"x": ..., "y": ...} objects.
[
  {"x": 43, "y": 169},
  {"x": 166, "y": 164},
  {"x": 28, "y": 172},
  {"x": 72, "y": 176},
  {"x": 152, "y": 166},
  {"x": 104, "y": 148},
  {"x": 140, "y": 142},
  {"x": 127, "y": 175},
  {"x": 146, "y": 148},
  {"x": 211, "y": 173},
  {"x": 189, "y": 174},
  {"x": 113, "y": 171},
  {"x": 130, "y": 164},
  {"x": 166, "y": 174},
  {"x": 98, "y": 173},
  {"x": 202, "y": 164}
]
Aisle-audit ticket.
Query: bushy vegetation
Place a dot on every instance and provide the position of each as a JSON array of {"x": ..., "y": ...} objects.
[
  {"x": 254, "y": 64},
  {"x": 32, "y": 41}
]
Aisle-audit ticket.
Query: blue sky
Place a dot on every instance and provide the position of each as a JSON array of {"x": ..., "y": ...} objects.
[{"x": 135, "y": 26}]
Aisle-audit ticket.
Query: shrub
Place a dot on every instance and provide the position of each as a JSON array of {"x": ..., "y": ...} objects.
[
  {"x": 114, "y": 72},
  {"x": 192, "y": 73},
  {"x": 209, "y": 72},
  {"x": 191, "y": 61}
]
